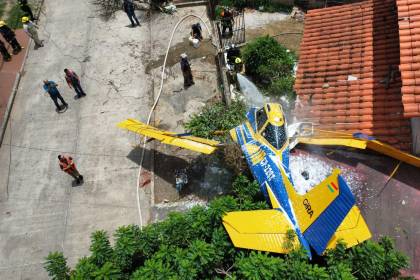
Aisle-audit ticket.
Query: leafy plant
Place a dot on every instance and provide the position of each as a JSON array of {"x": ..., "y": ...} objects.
[
  {"x": 259, "y": 266},
  {"x": 84, "y": 270},
  {"x": 127, "y": 249},
  {"x": 215, "y": 120},
  {"x": 271, "y": 66},
  {"x": 107, "y": 272},
  {"x": 373, "y": 260},
  {"x": 100, "y": 247},
  {"x": 56, "y": 266}
]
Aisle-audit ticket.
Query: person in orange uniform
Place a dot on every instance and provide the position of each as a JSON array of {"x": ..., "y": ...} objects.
[{"x": 67, "y": 165}]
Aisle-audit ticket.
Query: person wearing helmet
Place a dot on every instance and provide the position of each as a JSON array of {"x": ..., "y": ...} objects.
[
  {"x": 30, "y": 28},
  {"x": 232, "y": 53},
  {"x": 10, "y": 37},
  {"x": 27, "y": 11},
  {"x": 4, "y": 52},
  {"x": 186, "y": 71},
  {"x": 238, "y": 65}
]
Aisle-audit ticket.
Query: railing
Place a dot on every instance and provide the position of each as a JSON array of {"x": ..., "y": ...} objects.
[{"x": 238, "y": 31}]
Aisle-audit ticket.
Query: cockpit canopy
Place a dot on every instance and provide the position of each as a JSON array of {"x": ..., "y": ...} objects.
[{"x": 271, "y": 125}]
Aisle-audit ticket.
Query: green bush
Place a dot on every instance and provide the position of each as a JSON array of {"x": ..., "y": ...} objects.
[
  {"x": 100, "y": 247},
  {"x": 270, "y": 65},
  {"x": 282, "y": 87},
  {"x": 56, "y": 266},
  {"x": 215, "y": 120}
]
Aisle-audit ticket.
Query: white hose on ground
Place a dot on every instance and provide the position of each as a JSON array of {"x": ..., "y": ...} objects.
[{"x": 155, "y": 104}]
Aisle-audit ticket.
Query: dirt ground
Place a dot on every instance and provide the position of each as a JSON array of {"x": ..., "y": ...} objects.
[{"x": 287, "y": 32}]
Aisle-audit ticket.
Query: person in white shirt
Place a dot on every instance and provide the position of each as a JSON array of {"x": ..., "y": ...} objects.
[{"x": 31, "y": 29}]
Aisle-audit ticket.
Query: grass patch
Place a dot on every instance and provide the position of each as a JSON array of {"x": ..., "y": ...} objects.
[{"x": 14, "y": 19}]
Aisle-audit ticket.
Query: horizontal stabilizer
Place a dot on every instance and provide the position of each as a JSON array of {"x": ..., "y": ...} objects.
[
  {"x": 353, "y": 230},
  {"x": 263, "y": 230},
  {"x": 192, "y": 143}
]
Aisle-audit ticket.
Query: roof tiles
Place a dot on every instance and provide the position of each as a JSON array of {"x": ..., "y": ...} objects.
[
  {"x": 409, "y": 30},
  {"x": 348, "y": 76}
]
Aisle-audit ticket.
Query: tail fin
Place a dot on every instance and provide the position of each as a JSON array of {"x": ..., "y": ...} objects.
[{"x": 321, "y": 211}]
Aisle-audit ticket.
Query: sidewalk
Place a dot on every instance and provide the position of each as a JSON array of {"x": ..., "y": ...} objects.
[
  {"x": 40, "y": 210},
  {"x": 9, "y": 73}
]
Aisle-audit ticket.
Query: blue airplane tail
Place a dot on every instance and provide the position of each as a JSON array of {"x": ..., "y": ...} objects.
[{"x": 320, "y": 232}]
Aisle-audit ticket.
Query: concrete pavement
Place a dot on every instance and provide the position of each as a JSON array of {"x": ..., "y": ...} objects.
[{"x": 40, "y": 211}]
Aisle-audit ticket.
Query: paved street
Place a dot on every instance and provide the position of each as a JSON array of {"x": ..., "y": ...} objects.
[{"x": 40, "y": 210}]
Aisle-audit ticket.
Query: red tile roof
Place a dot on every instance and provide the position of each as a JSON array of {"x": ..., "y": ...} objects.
[
  {"x": 409, "y": 23},
  {"x": 347, "y": 54}
]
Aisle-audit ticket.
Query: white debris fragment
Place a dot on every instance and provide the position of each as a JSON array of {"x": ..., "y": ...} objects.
[
  {"x": 352, "y": 78},
  {"x": 317, "y": 170},
  {"x": 403, "y": 202}
]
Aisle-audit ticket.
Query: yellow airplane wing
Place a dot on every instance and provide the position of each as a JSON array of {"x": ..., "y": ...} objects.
[
  {"x": 263, "y": 230},
  {"x": 331, "y": 138},
  {"x": 192, "y": 143}
]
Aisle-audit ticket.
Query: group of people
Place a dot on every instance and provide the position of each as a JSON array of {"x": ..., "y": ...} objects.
[
  {"x": 9, "y": 35},
  {"x": 73, "y": 81},
  {"x": 66, "y": 163}
]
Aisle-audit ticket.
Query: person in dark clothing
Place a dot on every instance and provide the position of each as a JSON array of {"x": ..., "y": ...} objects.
[
  {"x": 232, "y": 53},
  {"x": 186, "y": 71},
  {"x": 26, "y": 9},
  {"x": 73, "y": 81},
  {"x": 128, "y": 7},
  {"x": 10, "y": 37},
  {"x": 196, "y": 31},
  {"x": 4, "y": 52},
  {"x": 51, "y": 88},
  {"x": 227, "y": 22}
]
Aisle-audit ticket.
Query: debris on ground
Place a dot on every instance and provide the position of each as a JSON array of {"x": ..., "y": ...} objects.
[{"x": 297, "y": 14}]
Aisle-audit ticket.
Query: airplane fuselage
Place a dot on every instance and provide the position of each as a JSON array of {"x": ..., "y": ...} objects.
[{"x": 270, "y": 167}]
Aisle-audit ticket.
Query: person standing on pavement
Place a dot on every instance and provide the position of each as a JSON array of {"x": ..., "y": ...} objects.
[
  {"x": 10, "y": 37},
  {"x": 30, "y": 28},
  {"x": 186, "y": 71},
  {"x": 4, "y": 52},
  {"x": 26, "y": 9},
  {"x": 67, "y": 165},
  {"x": 128, "y": 7},
  {"x": 73, "y": 81},
  {"x": 51, "y": 88}
]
